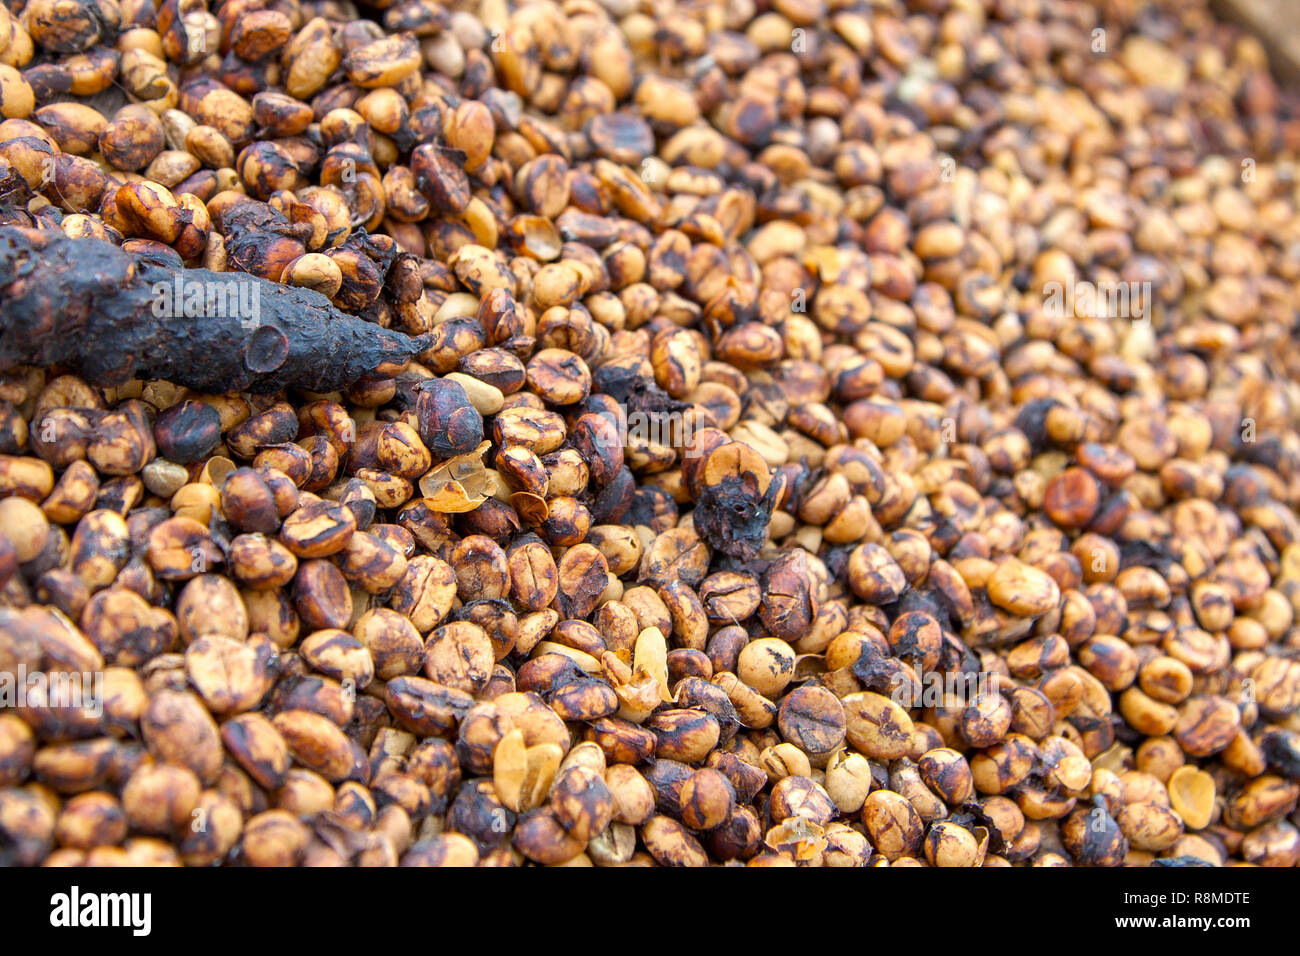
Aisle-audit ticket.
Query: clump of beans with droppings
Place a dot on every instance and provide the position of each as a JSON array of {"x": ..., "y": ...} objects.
[{"x": 783, "y": 483}]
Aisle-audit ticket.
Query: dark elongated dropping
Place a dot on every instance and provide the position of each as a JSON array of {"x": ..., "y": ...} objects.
[
  {"x": 109, "y": 317},
  {"x": 266, "y": 350},
  {"x": 731, "y": 520}
]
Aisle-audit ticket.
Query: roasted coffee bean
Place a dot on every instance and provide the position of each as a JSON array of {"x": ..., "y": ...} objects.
[
  {"x": 210, "y": 604},
  {"x": 707, "y": 800},
  {"x": 248, "y": 503},
  {"x": 425, "y": 593},
  {"x": 622, "y": 741},
  {"x": 585, "y": 700},
  {"x": 259, "y": 749},
  {"x": 671, "y": 844},
  {"x": 392, "y": 641},
  {"x": 459, "y": 655},
  {"x": 813, "y": 719},
  {"x": 318, "y": 529},
  {"x": 424, "y": 707},
  {"x": 766, "y": 665},
  {"x": 447, "y": 421},
  {"x": 338, "y": 654},
  {"x": 261, "y": 562},
  {"x": 448, "y": 849},
  {"x": 181, "y": 548},
  {"x": 1022, "y": 589},
  {"x": 125, "y": 628},
  {"x": 229, "y": 675},
  {"x": 187, "y": 431},
  {"x": 581, "y": 802},
  {"x": 877, "y": 726},
  {"x": 273, "y": 838},
  {"x": 316, "y": 742},
  {"x": 177, "y": 728},
  {"x": 684, "y": 735},
  {"x": 540, "y": 837},
  {"x": 583, "y": 577}
]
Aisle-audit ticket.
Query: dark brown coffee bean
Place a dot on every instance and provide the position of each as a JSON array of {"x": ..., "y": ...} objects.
[
  {"x": 231, "y": 676},
  {"x": 813, "y": 719},
  {"x": 178, "y": 728},
  {"x": 583, "y": 576},
  {"x": 318, "y": 530},
  {"x": 258, "y": 748},
  {"x": 338, "y": 654}
]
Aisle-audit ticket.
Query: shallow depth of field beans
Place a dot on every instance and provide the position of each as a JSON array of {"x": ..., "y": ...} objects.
[{"x": 647, "y": 433}]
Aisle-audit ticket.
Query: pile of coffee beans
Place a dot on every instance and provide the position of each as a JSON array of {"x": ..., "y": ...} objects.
[{"x": 845, "y": 434}]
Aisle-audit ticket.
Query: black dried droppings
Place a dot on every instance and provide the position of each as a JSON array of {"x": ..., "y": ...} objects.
[
  {"x": 972, "y": 815},
  {"x": 1104, "y": 843},
  {"x": 613, "y": 502},
  {"x": 156, "y": 254},
  {"x": 377, "y": 248},
  {"x": 923, "y": 600},
  {"x": 251, "y": 216},
  {"x": 15, "y": 194},
  {"x": 1032, "y": 421},
  {"x": 906, "y": 644},
  {"x": 480, "y": 816},
  {"x": 1282, "y": 749},
  {"x": 732, "y": 520},
  {"x": 712, "y": 699},
  {"x": 266, "y": 350},
  {"x": 870, "y": 665},
  {"x": 836, "y": 560},
  {"x": 1148, "y": 554},
  {"x": 958, "y": 658},
  {"x": 636, "y": 393},
  {"x": 650, "y": 503},
  {"x": 616, "y": 381},
  {"x": 86, "y": 304}
]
